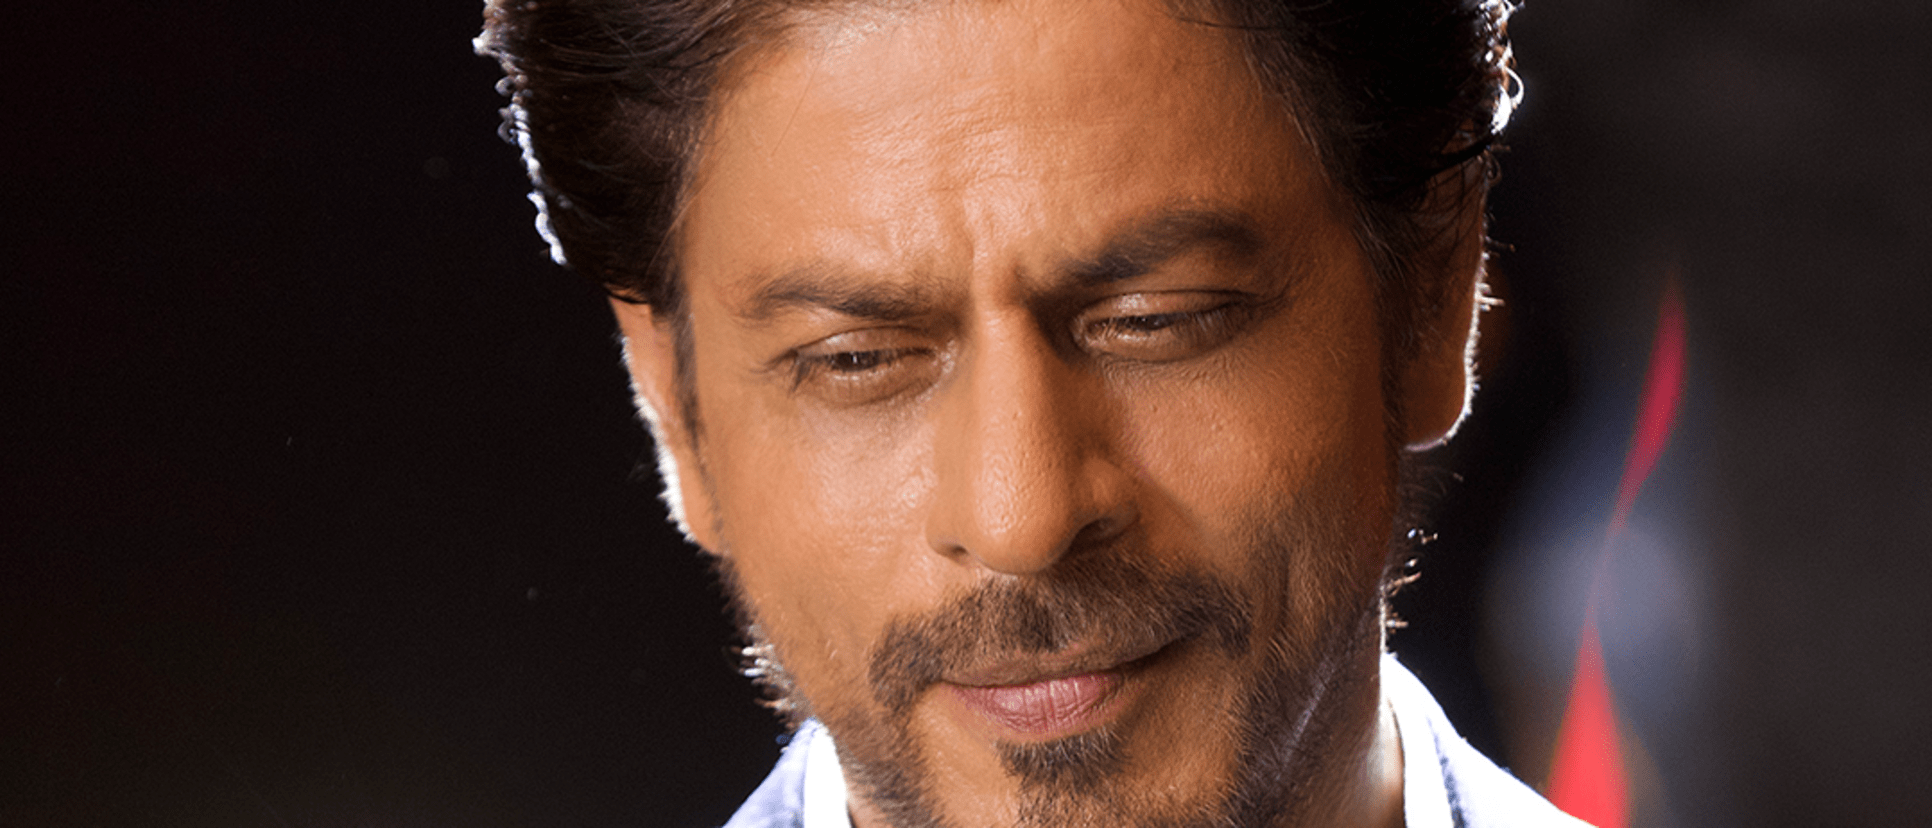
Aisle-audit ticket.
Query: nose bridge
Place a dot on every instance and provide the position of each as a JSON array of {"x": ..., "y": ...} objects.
[{"x": 1021, "y": 470}]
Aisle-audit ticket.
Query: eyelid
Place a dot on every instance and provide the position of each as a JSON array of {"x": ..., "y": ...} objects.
[
  {"x": 1185, "y": 323},
  {"x": 896, "y": 354},
  {"x": 870, "y": 338},
  {"x": 806, "y": 366},
  {"x": 1159, "y": 301}
]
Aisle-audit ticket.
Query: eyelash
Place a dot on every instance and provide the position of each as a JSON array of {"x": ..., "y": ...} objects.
[
  {"x": 866, "y": 373},
  {"x": 1152, "y": 322},
  {"x": 806, "y": 367},
  {"x": 1193, "y": 327}
]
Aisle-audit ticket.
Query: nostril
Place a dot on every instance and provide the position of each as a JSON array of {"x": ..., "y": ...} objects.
[{"x": 1103, "y": 529}]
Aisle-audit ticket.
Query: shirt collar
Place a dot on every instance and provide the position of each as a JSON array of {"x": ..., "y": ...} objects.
[{"x": 824, "y": 805}]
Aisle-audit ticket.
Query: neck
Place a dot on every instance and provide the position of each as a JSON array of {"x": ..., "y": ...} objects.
[
  {"x": 1364, "y": 790},
  {"x": 1383, "y": 770}
]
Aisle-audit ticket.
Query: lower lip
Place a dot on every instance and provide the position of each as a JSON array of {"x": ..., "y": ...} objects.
[{"x": 1054, "y": 707}]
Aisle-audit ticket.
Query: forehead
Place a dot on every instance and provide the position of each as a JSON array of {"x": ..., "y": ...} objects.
[{"x": 964, "y": 135}]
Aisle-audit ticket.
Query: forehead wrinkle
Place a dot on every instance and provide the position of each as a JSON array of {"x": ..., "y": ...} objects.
[{"x": 968, "y": 165}]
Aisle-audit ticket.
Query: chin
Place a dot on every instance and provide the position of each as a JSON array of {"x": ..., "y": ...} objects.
[{"x": 1194, "y": 739}]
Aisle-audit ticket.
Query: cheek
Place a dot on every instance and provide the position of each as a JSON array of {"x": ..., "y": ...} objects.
[
  {"x": 820, "y": 522},
  {"x": 800, "y": 492},
  {"x": 1262, "y": 441},
  {"x": 1284, "y": 443}
]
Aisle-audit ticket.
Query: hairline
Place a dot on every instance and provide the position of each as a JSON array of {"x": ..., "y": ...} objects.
[{"x": 771, "y": 31}]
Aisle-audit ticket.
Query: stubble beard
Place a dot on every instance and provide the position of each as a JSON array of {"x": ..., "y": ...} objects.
[{"x": 1284, "y": 732}]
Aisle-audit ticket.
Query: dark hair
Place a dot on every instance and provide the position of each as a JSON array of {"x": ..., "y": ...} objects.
[{"x": 608, "y": 99}]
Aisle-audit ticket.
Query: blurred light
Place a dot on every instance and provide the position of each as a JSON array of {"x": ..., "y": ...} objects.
[{"x": 1588, "y": 778}]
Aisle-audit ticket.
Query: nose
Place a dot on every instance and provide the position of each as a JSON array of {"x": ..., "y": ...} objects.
[{"x": 1024, "y": 473}]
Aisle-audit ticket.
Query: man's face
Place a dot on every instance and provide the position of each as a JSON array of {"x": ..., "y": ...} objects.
[{"x": 1039, "y": 415}]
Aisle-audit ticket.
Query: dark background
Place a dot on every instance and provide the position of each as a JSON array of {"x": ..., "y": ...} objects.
[{"x": 320, "y": 499}]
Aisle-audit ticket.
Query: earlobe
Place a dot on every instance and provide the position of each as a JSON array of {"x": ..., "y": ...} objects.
[
  {"x": 651, "y": 355},
  {"x": 1441, "y": 379},
  {"x": 1439, "y": 382}
]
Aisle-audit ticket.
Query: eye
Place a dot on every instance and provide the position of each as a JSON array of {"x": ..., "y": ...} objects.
[
  {"x": 845, "y": 362},
  {"x": 1149, "y": 322},
  {"x": 1162, "y": 327},
  {"x": 861, "y": 367},
  {"x": 844, "y": 366}
]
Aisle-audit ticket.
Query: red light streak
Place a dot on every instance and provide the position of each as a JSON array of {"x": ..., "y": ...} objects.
[{"x": 1587, "y": 778}]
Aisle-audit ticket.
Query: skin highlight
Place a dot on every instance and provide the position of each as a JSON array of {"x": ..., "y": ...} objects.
[{"x": 1028, "y": 342}]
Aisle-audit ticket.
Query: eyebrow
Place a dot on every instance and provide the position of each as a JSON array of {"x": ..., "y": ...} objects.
[
  {"x": 1151, "y": 242},
  {"x": 1135, "y": 251},
  {"x": 826, "y": 287}
]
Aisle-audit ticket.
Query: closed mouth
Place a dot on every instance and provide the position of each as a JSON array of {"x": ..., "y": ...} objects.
[{"x": 1055, "y": 697}]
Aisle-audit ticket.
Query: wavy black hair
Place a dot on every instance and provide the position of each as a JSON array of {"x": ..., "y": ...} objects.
[{"x": 608, "y": 100}]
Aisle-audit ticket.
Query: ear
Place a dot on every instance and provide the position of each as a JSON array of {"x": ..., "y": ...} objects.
[
  {"x": 1440, "y": 381},
  {"x": 651, "y": 354}
]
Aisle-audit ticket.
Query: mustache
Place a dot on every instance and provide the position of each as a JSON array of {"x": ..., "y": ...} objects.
[{"x": 1106, "y": 602}]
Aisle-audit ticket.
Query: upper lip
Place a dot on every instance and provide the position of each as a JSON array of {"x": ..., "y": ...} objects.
[{"x": 1021, "y": 670}]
